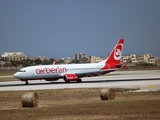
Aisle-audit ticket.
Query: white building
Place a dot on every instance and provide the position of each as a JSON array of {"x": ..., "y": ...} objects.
[
  {"x": 94, "y": 59},
  {"x": 79, "y": 56},
  {"x": 132, "y": 57},
  {"x": 147, "y": 58},
  {"x": 19, "y": 56}
]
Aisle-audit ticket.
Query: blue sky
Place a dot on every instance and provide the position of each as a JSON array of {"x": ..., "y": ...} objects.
[{"x": 62, "y": 28}]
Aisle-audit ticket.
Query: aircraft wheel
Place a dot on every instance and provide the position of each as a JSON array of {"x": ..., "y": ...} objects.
[
  {"x": 79, "y": 80},
  {"x": 27, "y": 83},
  {"x": 66, "y": 81}
]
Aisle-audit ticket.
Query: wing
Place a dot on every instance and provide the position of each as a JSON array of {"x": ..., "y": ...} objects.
[{"x": 95, "y": 73}]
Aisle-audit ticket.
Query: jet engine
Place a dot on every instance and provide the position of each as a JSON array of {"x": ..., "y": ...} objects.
[{"x": 71, "y": 77}]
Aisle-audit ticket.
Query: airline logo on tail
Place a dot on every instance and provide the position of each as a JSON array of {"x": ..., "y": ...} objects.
[
  {"x": 115, "y": 55},
  {"x": 118, "y": 51}
]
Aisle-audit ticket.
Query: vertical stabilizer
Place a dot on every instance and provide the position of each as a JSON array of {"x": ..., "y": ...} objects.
[
  {"x": 115, "y": 55},
  {"x": 114, "y": 58}
]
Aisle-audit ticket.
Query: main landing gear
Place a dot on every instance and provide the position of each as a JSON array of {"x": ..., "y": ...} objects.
[
  {"x": 79, "y": 80},
  {"x": 68, "y": 81},
  {"x": 27, "y": 83}
]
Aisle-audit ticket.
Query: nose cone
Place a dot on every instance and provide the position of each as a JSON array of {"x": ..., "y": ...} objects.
[{"x": 17, "y": 75}]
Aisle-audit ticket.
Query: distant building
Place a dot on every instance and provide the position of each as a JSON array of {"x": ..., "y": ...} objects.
[
  {"x": 2, "y": 62},
  {"x": 42, "y": 58},
  {"x": 158, "y": 61},
  {"x": 16, "y": 56},
  {"x": 94, "y": 59},
  {"x": 133, "y": 58},
  {"x": 67, "y": 59},
  {"x": 84, "y": 60},
  {"x": 81, "y": 57},
  {"x": 152, "y": 60},
  {"x": 146, "y": 58},
  {"x": 104, "y": 57}
]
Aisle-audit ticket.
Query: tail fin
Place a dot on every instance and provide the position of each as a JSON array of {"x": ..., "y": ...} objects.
[
  {"x": 54, "y": 62},
  {"x": 115, "y": 55}
]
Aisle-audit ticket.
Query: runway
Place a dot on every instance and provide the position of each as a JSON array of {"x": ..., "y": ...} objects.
[{"x": 144, "y": 80}]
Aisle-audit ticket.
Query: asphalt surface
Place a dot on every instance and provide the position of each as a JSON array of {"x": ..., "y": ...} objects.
[{"x": 144, "y": 80}]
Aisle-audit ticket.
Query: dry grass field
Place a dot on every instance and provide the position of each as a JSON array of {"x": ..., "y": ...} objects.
[
  {"x": 7, "y": 72},
  {"x": 81, "y": 104},
  {"x": 7, "y": 75}
]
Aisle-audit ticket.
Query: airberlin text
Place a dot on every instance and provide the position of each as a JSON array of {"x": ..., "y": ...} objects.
[{"x": 46, "y": 70}]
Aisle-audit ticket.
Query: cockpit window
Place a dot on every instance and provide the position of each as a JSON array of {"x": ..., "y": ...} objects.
[{"x": 22, "y": 70}]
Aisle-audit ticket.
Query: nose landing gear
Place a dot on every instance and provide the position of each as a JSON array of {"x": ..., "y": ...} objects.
[{"x": 27, "y": 83}]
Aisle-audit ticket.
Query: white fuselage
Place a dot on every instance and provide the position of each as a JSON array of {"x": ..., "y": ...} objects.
[{"x": 53, "y": 71}]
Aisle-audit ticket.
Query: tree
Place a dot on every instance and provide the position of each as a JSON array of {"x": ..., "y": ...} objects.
[
  {"x": 38, "y": 61},
  {"x": 75, "y": 61},
  {"x": 7, "y": 65},
  {"x": 13, "y": 63},
  {"x": 60, "y": 61},
  {"x": 25, "y": 64}
]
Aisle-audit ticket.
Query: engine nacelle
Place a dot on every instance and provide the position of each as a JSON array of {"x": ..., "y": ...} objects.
[{"x": 71, "y": 77}]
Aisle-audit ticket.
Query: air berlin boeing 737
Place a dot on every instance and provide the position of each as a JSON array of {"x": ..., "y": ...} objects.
[{"x": 73, "y": 72}]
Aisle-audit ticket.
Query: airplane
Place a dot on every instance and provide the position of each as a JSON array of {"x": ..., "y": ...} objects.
[{"x": 73, "y": 72}]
